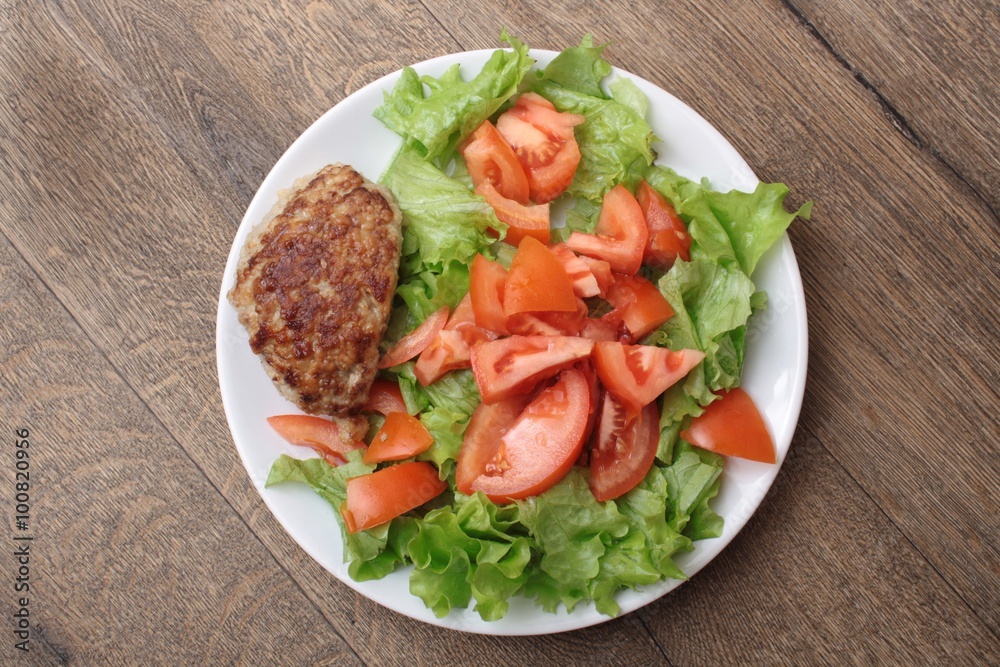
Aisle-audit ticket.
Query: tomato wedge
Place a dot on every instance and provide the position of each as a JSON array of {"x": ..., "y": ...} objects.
[
  {"x": 321, "y": 435},
  {"x": 602, "y": 273},
  {"x": 668, "y": 235},
  {"x": 384, "y": 397},
  {"x": 596, "y": 401},
  {"x": 537, "y": 282},
  {"x": 521, "y": 220},
  {"x": 638, "y": 374},
  {"x": 515, "y": 364},
  {"x": 733, "y": 426},
  {"x": 486, "y": 287},
  {"x": 549, "y": 323},
  {"x": 642, "y": 307},
  {"x": 580, "y": 273},
  {"x": 490, "y": 159},
  {"x": 599, "y": 329},
  {"x": 487, "y": 426},
  {"x": 624, "y": 449},
  {"x": 400, "y": 437},
  {"x": 541, "y": 445},
  {"x": 417, "y": 340},
  {"x": 543, "y": 140},
  {"x": 452, "y": 347},
  {"x": 620, "y": 236},
  {"x": 383, "y": 495}
]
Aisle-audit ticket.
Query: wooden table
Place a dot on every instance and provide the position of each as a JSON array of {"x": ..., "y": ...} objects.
[{"x": 133, "y": 137}]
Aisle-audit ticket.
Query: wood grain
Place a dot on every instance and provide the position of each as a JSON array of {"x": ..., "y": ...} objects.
[
  {"x": 880, "y": 601},
  {"x": 125, "y": 526},
  {"x": 935, "y": 66},
  {"x": 135, "y": 136}
]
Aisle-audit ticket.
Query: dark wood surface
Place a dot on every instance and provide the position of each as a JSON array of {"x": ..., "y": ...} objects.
[{"x": 133, "y": 136}]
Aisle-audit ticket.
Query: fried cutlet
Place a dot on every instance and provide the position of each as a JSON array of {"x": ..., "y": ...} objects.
[{"x": 314, "y": 287}]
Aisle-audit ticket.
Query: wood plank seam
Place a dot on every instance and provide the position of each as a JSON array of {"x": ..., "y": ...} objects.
[
  {"x": 60, "y": 652},
  {"x": 156, "y": 418},
  {"x": 443, "y": 26},
  {"x": 656, "y": 643},
  {"x": 895, "y": 117}
]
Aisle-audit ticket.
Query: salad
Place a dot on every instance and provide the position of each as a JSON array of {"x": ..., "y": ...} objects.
[{"x": 558, "y": 537}]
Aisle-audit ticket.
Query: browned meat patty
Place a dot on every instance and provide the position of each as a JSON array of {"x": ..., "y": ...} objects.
[{"x": 314, "y": 287}]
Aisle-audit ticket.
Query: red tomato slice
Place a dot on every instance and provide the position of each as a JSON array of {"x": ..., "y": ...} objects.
[
  {"x": 486, "y": 428},
  {"x": 638, "y": 374},
  {"x": 540, "y": 446},
  {"x": 733, "y": 426},
  {"x": 486, "y": 287},
  {"x": 521, "y": 220},
  {"x": 463, "y": 316},
  {"x": 643, "y": 307},
  {"x": 620, "y": 236},
  {"x": 452, "y": 347},
  {"x": 543, "y": 140},
  {"x": 490, "y": 159},
  {"x": 384, "y": 397},
  {"x": 601, "y": 271},
  {"x": 584, "y": 281},
  {"x": 514, "y": 365},
  {"x": 537, "y": 282},
  {"x": 624, "y": 450},
  {"x": 599, "y": 329},
  {"x": 549, "y": 323},
  {"x": 536, "y": 109},
  {"x": 668, "y": 235},
  {"x": 414, "y": 342},
  {"x": 596, "y": 401},
  {"x": 450, "y": 350},
  {"x": 321, "y": 435},
  {"x": 383, "y": 495},
  {"x": 400, "y": 437}
]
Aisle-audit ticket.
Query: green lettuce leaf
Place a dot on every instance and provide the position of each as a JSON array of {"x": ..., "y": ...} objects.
[
  {"x": 456, "y": 391},
  {"x": 691, "y": 482},
  {"x": 627, "y": 563},
  {"x": 446, "y": 426},
  {"x": 464, "y": 553},
  {"x": 370, "y": 554},
  {"x": 374, "y": 553},
  {"x": 580, "y": 68},
  {"x": 570, "y": 528},
  {"x": 624, "y": 91},
  {"x": 645, "y": 508},
  {"x": 434, "y": 115},
  {"x": 705, "y": 523},
  {"x": 582, "y": 216},
  {"x": 425, "y": 292},
  {"x": 733, "y": 224},
  {"x": 328, "y": 481},
  {"x": 442, "y": 557},
  {"x": 444, "y": 227},
  {"x": 444, "y": 408},
  {"x": 442, "y": 220}
]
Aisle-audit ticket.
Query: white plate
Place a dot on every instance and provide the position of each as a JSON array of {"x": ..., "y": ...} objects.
[{"x": 774, "y": 373}]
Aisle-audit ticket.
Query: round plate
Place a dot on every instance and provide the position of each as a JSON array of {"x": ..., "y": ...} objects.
[{"x": 774, "y": 372}]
